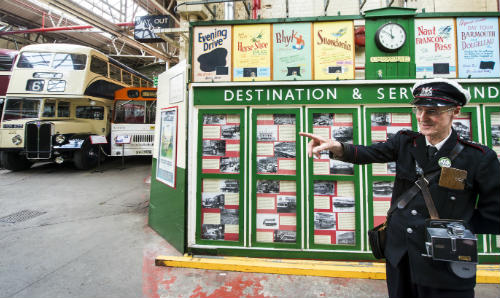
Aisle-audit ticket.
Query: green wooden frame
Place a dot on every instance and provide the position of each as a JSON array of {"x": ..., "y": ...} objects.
[
  {"x": 335, "y": 177},
  {"x": 239, "y": 177},
  {"x": 255, "y": 177}
]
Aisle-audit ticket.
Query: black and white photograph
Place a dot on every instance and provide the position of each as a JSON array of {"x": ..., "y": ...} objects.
[
  {"x": 462, "y": 127},
  {"x": 325, "y": 154},
  {"x": 230, "y": 132},
  {"x": 284, "y": 149},
  {"x": 267, "y": 133},
  {"x": 287, "y": 204},
  {"x": 338, "y": 167},
  {"x": 212, "y": 200},
  {"x": 393, "y": 130},
  {"x": 345, "y": 237},
  {"x": 322, "y": 119},
  {"x": 214, "y": 119},
  {"x": 212, "y": 232},
  {"x": 267, "y": 221},
  {"x": 230, "y": 165},
  {"x": 343, "y": 134},
  {"x": 282, "y": 119},
  {"x": 230, "y": 186},
  {"x": 324, "y": 187},
  {"x": 229, "y": 216},
  {"x": 343, "y": 204},
  {"x": 285, "y": 236},
  {"x": 324, "y": 221},
  {"x": 268, "y": 186},
  {"x": 381, "y": 119},
  {"x": 214, "y": 148},
  {"x": 495, "y": 135},
  {"x": 382, "y": 188},
  {"x": 267, "y": 165},
  {"x": 391, "y": 168}
]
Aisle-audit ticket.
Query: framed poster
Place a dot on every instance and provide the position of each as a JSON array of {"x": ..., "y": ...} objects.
[
  {"x": 435, "y": 48},
  {"x": 292, "y": 51},
  {"x": 333, "y": 52},
  {"x": 252, "y": 52},
  {"x": 477, "y": 43},
  {"x": 166, "y": 165},
  {"x": 212, "y": 53}
]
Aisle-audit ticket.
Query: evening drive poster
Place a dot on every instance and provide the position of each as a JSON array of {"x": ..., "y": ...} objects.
[
  {"x": 435, "y": 48},
  {"x": 333, "y": 50},
  {"x": 292, "y": 51},
  {"x": 477, "y": 43},
  {"x": 212, "y": 53},
  {"x": 252, "y": 52}
]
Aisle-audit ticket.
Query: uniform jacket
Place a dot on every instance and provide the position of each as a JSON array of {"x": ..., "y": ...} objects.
[{"x": 406, "y": 227}]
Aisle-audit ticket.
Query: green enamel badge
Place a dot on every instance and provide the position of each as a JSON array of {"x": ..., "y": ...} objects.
[{"x": 444, "y": 162}]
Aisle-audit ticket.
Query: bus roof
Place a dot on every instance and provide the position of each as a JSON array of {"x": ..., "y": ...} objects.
[{"x": 122, "y": 94}]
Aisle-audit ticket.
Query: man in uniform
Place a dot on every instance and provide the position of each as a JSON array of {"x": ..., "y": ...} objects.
[{"x": 409, "y": 274}]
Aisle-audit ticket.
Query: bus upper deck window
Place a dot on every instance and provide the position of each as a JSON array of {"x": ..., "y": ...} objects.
[
  {"x": 6, "y": 62},
  {"x": 49, "y": 108},
  {"x": 63, "y": 109},
  {"x": 34, "y": 60},
  {"x": 69, "y": 61},
  {"x": 99, "y": 66},
  {"x": 115, "y": 72},
  {"x": 127, "y": 77}
]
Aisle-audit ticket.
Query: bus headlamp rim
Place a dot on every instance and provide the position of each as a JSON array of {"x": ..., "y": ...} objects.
[
  {"x": 60, "y": 139},
  {"x": 17, "y": 139}
]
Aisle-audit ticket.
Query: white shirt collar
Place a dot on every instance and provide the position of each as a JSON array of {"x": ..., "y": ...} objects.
[{"x": 440, "y": 144}]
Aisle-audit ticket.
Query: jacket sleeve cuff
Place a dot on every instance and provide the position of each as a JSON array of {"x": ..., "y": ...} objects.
[{"x": 348, "y": 154}]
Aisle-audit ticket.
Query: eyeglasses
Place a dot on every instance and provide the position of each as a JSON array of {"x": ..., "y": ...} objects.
[{"x": 431, "y": 111}]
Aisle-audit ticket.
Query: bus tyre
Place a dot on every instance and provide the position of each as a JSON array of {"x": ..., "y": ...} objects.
[
  {"x": 14, "y": 162},
  {"x": 86, "y": 157}
]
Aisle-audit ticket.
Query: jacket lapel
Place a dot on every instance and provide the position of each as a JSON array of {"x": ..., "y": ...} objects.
[
  {"x": 419, "y": 151},
  {"x": 445, "y": 151}
]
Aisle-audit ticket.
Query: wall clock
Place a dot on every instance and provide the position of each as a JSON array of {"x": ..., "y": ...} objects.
[{"x": 390, "y": 37}]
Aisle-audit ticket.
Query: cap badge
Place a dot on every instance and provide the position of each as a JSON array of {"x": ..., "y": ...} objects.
[
  {"x": 444, "y": 162},
  {"x": 426, "y": 91}
]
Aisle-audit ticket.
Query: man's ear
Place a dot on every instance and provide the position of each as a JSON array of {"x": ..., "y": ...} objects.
[{"x": 457, "y": 111}]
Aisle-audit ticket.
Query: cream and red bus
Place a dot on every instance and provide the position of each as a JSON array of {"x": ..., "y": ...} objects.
[
  {"x": 133, "y": 124},
  {"x": 58, "y": 97},
  {"x": 7, "y": 58}
]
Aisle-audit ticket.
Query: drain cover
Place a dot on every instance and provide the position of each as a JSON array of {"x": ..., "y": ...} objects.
[{"x": 21, "y": 216}]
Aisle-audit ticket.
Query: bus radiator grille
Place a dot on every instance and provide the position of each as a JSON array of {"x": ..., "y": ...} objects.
[{"x": 38, "y": 140}]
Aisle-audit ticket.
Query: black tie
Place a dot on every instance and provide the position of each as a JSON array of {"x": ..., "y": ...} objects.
[{"x": 431, "y": 151}]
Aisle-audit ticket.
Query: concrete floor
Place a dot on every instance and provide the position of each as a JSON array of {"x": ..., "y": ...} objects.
[{"x": 90, "y": 238}]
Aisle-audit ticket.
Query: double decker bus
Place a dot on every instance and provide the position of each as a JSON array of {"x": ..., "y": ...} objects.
[
  {"x": 133, "y": 124},
  {"x": 58, "y": 97},
  {"x": 7, "y": 58}
]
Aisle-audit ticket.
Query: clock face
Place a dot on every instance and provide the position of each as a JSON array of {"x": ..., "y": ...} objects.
[{"x": 390, "y": 37}]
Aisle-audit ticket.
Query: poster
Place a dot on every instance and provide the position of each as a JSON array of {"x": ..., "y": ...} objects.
[
  {"x": 334, "y": 212},
  {"x": 495, "y": 132},
  {"x": 252, "y": 52},
  {"x": 477, "y": 43},
  {"x": 333, "y": 50},
  {"x": 383, "y": 127},
  {"x": 276, "y": 216},
  {"x": 463, "y": 126},
  {"x": 221, "y": 144},
  {"x": 338, "y": 126},
  {"x": 212, "y": 53},
  {"x": 276, "y": 144},
  {"x": 220, "y": 209},
  {"x": 165, "y": 167},
  {"x": 435, "y": 48},
  {"x": 292, "y": 51},
  {"x": 382, "y": 193}
]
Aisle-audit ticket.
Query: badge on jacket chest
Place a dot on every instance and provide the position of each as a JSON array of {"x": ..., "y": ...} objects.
[{"x": 452, "y": 178}]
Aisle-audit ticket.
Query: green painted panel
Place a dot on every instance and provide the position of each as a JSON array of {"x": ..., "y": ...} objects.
[{"x": 167, "y": 209}]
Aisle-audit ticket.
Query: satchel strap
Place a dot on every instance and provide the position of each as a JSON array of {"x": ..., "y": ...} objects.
[{"x": 407, "y": 196}]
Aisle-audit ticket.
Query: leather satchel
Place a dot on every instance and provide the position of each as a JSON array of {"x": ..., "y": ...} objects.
[{"x": 376, "y": 238}]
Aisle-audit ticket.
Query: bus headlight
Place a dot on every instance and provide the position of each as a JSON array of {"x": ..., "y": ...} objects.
[
  {"x": 60, "y": 139},
  {"x": 16, "y": 140}
]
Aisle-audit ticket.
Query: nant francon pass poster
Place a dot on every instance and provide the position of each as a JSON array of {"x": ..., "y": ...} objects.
[
  {"x": 435, "y": 48},
  {"x": 477, "y": 43},
  {"x": 292, "y": 51},
  {"x": 252, "y": 52},
  {"x": 333, "y": 50},
  {"x": 212, "y": 53}
]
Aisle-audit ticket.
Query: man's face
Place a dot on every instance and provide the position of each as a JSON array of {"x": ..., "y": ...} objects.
[{"x": 435, "y": 122}]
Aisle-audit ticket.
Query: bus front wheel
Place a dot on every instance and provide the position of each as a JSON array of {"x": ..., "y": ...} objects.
[
  {"x": 14, "y": 161},
  {"x": 86, "y": 157}
]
